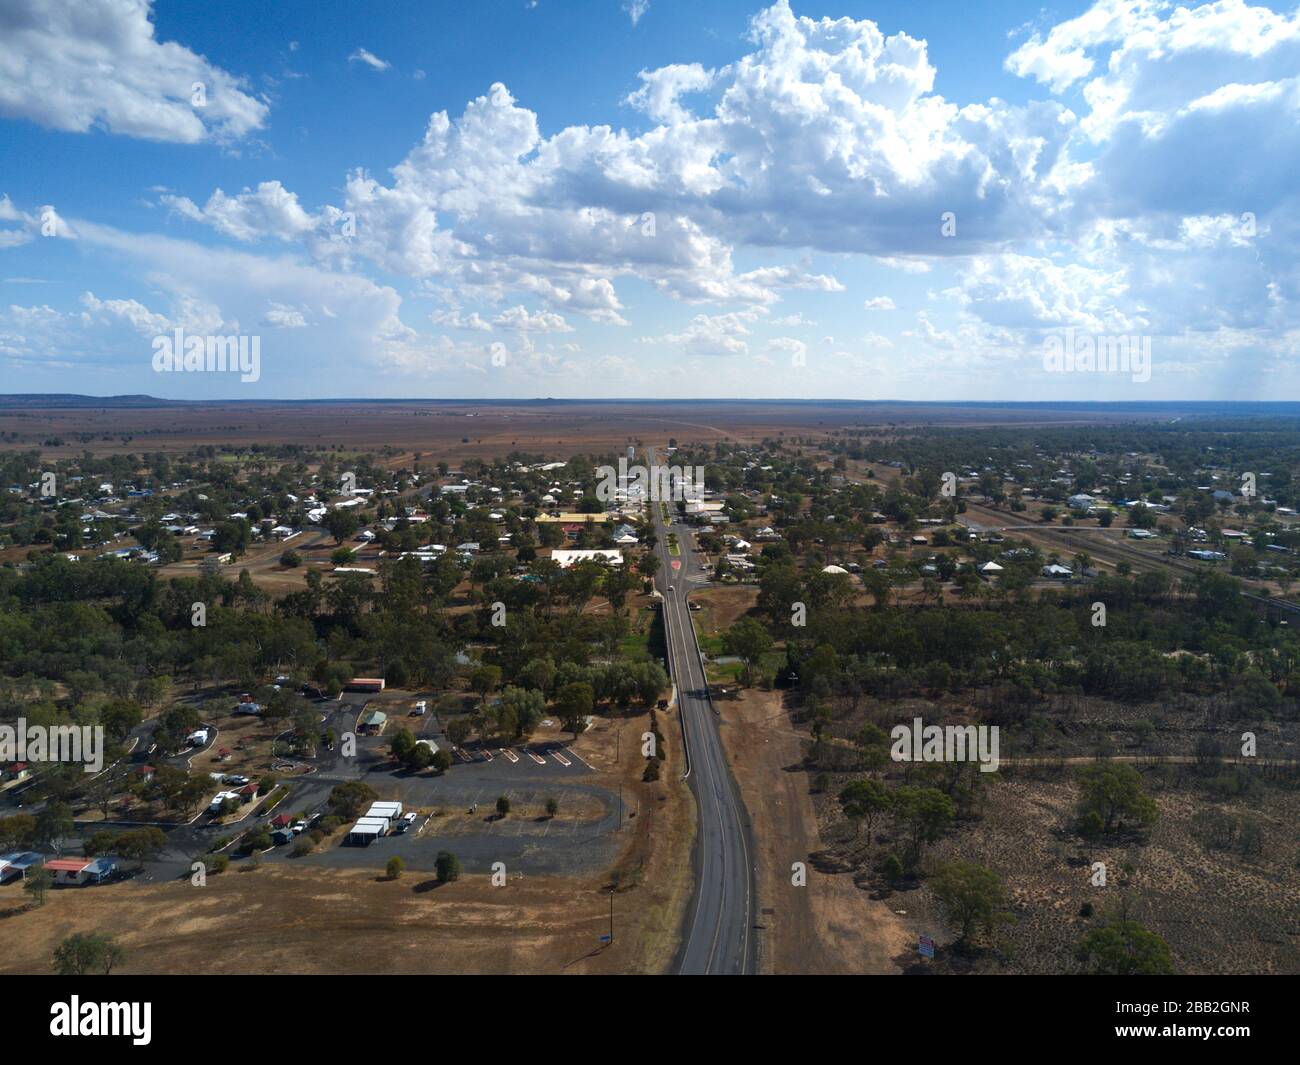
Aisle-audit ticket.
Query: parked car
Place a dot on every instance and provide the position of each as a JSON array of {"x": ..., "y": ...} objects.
[
  {"x": 409, "y": 818},
  {"x": 419, "y": 709},
  {"x": 298, "y": 826},
  {"x": 237, "y": 780}
]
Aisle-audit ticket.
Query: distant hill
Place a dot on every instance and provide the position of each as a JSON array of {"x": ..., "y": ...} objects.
[{"x": 47, "y": 400}]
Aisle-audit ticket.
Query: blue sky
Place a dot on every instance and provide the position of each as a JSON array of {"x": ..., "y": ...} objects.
[{"x": 602, "y": 198}]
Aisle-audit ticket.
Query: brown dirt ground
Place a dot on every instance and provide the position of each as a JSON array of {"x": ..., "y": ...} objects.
[
  {"x": 282, "y": 920},
  {"x": 830, "y": 926},
  {"x": 722, "y": 607}
]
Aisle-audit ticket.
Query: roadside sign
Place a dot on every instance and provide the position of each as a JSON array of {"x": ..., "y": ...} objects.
[{"x": 926, "y": 946}]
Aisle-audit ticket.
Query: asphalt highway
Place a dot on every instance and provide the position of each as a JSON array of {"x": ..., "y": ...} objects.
[{"x": 718, "y": 937}]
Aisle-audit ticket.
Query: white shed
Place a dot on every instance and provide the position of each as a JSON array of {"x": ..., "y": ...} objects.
[{"x": 367, "y": 830}]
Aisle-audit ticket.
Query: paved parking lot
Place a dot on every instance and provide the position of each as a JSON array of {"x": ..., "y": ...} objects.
[
  {"x": 583, "y": 837},
  {"x": 527, "y": 844}
]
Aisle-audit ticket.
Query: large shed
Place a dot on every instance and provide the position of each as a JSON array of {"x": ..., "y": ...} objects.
[{"x": 367, "y": 830}]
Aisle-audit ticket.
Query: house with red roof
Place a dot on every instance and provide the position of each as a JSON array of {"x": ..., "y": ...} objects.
[{"x": 75, "y": 871}]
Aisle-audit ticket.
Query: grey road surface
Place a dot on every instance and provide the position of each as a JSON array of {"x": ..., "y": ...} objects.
[{"x": 718, "y": 937}]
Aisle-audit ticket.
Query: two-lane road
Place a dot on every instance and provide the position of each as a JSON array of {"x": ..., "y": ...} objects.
[{"x": 718, "y": 935}]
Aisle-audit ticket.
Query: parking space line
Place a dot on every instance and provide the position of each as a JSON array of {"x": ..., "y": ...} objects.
[
  {"x": 536, "y": 757},
  {"x": 510, "y": 754},
  {"x": 562, "y": 760}
]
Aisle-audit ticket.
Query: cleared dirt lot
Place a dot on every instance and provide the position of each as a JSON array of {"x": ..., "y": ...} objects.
[{"x": 285, "y": 920}]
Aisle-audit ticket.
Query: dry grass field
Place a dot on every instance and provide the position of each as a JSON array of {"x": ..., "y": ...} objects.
[{"x": 456, "y": 430}]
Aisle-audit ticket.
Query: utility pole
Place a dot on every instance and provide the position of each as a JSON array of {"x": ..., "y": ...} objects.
[{"x": 611, "y": 915}]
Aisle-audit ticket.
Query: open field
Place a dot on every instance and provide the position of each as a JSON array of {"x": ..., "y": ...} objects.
[
  {"x": 466, "y": 429},
  {"x": 290, "y": 919}
]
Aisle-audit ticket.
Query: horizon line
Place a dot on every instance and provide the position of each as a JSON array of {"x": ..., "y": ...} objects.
[{"x": 142, "y": 397}]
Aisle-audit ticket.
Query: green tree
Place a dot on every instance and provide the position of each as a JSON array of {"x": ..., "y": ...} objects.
[
  {"x": 394, "y": 867},
  {"x": 458, "y": 730},
  {"x": 1112, "y": 794},
  {"x": 17, "y": 831},
  {"x": 873, "y": 742},
  {"x": 348, "y": 800},
  {"x": 518, "y": 711},
  {"x": 573, "y": 703},
  {"x": 749, "y": 640},
  {"x": 86, "y": 953},
  {"x": 447, "y": 867},
  {"x": 1124, "y": 948},
  {"x": 141, "y": 844},
  {"x": 37, "y": 883},
  {"x": 485, "y": 680},
  {"x": 53, "y": 825},
  {"x": 923, "y": 814},
  {"x": 503, "y": 805},
  {"x": 862, "y": 801},
  {"x": 119, "y": 717},
  {"x": 402, "y": 744},
  {"x": 971, "y": 896},
  {"x": 341, "y": 523}
]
